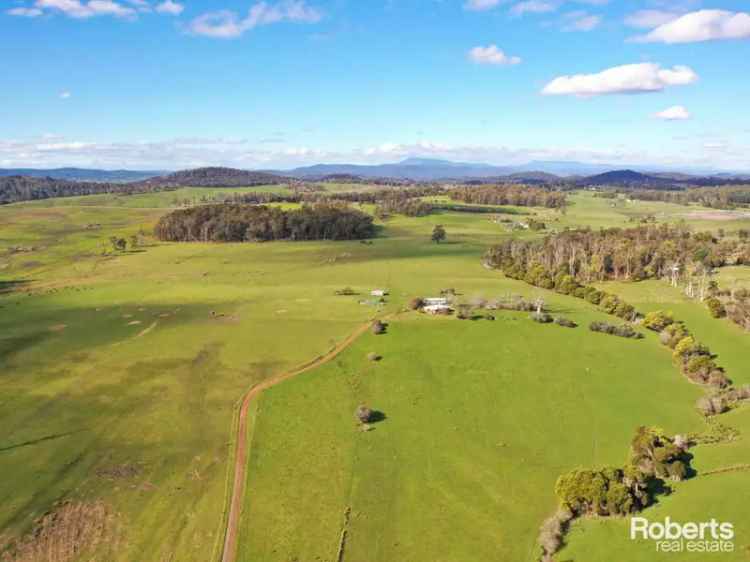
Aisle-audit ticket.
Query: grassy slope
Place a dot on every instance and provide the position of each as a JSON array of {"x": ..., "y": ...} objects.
[
  {"x": 93, "y": 394},
  {"x": 717, "y": 495},
  {"x": 481, "y": 419}
]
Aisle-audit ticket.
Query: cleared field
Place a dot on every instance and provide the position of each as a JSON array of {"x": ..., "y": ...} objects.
[
  {"x": 480, "y": 419},
  {"x": 121, "y": 375}
]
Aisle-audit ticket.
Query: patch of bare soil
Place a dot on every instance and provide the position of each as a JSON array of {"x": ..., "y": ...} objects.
[
  {"x": 65, "y": 533},
  {"x": 118, "y": 471},
  {"x": 718, "y": 215}
]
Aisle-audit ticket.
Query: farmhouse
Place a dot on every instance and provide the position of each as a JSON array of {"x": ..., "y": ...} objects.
[
  {"x": 438, "y": 305},
  {"x": 379, "y": 293}
]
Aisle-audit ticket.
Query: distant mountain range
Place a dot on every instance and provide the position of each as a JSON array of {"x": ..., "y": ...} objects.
[
  {"x": 18, "y": 184},
  {"x": 82, "y": 174},
  {"x": 538, "y": 171}
]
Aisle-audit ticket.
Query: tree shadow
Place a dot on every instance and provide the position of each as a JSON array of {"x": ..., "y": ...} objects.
[
  {"x": 376, "y": 417},
  {"x": 12, "y": 285}
]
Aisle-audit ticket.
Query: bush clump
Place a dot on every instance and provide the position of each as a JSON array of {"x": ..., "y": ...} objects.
[
  {"x": 378, "y": 327},
  {"x": 542, "y": 317},
  {"x": 716, "y": 308},
  {"x": 623, "y": 331},
  {"x": 565, "y": 322},
  {"x": 416, "y": 303}
]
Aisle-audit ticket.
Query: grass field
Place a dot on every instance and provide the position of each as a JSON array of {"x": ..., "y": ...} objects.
[{"x": 138, "y": 360}]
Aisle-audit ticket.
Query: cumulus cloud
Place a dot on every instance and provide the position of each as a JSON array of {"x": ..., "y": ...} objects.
[
  {"x": 170, "y": 7},
  {"x": 491, "y": 55},
  {"x": 481, "y": 5},
  {"x": 580, "y": 21},
  {"x": 25, "y": 12},
  {"x": 533, "y": 7},
  {"x": 703, "y": 25},
  {"x": 674, "y": 113},
  {"x": 626, "y": 79},
  {"x": 649, "y": 19},
  {"x": 82, "y": 10},
  {"x": 226, "y": 24}
]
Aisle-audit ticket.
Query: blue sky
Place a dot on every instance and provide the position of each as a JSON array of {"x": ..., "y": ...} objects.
[{"x": 168, "y": 84}]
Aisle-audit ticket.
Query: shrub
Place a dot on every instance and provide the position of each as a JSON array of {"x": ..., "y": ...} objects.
[
  {"x": 463, "y": 312},
  {"x": 372, "y": 356},
  {"x": 715, "y": 307},
  {"x": 711, "y": 405},
  {"x": 416, "y": 303},
  {"x": 378, "y": 327},
  {"x": 593, "y": 295},
  {"x": 346, "y": 291},
  {"x": 718, "y": 379},
  {"x": 542, "y": 317},
  {"x": 551, "y": 533},
  {"x": 673, "y": 334},
  {"x": 658, "y": 320},
  {"x": 624, "y": 331},
  {"x": 564, "y": 322}
]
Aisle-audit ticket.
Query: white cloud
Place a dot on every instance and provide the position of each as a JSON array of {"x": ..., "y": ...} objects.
[
  {"x": 626, "y": 79},
  {"x": 481, "y": 5},
  {"x": 491, "y": 55},
  {"x": 649, "y": 19},
  {"x": 64, "y": 95},
  {"x": 82, "y": 10},
  {"x": 170, "y": 7},
  {"x": 533, "y": 7},
  {"x": 580, "y": 21},
  {"x": 195, "y": 152},
  {"x": 25, "y": 12},
  {"x": 703, "y": 25},
  {"x": 228, "y": 25},
  {"x": 674, "y": 113}
]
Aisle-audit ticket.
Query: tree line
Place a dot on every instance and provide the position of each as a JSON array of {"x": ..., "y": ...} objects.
[
  {"x": 611, "y": 491},
  {"x": 715, "y": 197},
  {"x": 518, "y": 195},
  {"x": 14, "y": 189},
  {"x": 644, "y": 252},
  {"x": 244, "y": 223}
]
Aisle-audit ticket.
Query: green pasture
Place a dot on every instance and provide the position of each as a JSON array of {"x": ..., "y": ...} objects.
[{"x": 138, "y": 359}]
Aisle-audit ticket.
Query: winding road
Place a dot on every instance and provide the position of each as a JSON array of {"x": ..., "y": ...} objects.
[{"x": 229, "y": 552}]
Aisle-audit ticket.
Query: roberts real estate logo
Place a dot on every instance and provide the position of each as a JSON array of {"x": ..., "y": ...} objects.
[{"x": 671, "y": 536}]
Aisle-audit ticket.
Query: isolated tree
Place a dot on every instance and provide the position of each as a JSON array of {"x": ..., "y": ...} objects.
[
  {"x": 416, "y": 303},
  {"x": 363, "y": 414},
  {"x": 438, "y": 234},
  {"x": 118, "y": 244},
  {"x": 378, "y": 327}
]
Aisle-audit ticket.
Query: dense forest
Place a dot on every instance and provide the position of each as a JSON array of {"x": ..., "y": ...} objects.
[
  {"x": 644, "y": 252},
  {"x": 23, "y": 188},
  {"x": 241, "y": 223},
  {"x": 519, "y": 195},
  {"x": 717, "y": 198},
  {"x": 217, "y": 177}
]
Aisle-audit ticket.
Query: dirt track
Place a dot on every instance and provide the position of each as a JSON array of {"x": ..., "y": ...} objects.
[{"x": 229, "y": 552}]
